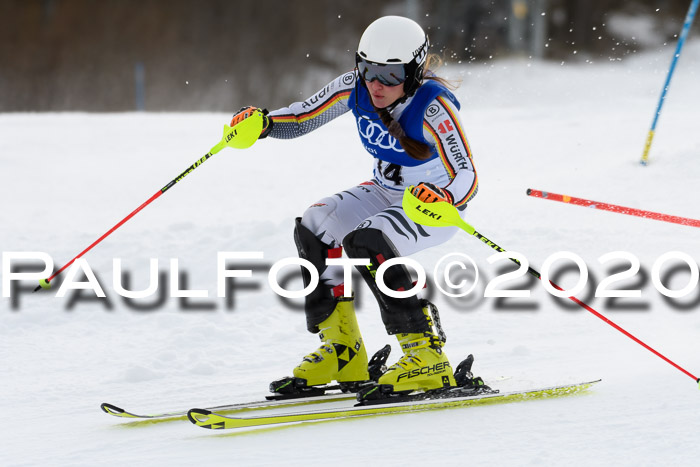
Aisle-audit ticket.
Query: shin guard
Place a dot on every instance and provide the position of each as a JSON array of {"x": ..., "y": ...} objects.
[
  {"x": 321, "y": 302},
  {"x": 400, "y": 315}
]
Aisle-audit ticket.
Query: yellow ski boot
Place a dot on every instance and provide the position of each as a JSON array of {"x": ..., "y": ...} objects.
[
  {"x": 342, "y": 356},
  {"x": 423, "y": 366}
]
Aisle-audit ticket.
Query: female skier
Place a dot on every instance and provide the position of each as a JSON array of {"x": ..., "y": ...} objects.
[{"x": 409, "y": 123}]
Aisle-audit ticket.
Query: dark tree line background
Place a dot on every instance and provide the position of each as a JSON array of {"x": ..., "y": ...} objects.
[{"x": 216, "y": 55}]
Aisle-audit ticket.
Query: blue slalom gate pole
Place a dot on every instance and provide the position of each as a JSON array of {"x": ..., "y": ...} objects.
[{"x": 681, "y": 40}]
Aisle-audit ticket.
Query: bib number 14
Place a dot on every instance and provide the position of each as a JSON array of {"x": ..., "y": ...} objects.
[{"x": 392, "y": 172}]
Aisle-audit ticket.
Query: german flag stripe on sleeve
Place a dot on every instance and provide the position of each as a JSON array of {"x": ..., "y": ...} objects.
[
  {"x": 452, "y": 134},
  {"x": 441, "y": 150},
  {"x": 455, "y": 120},
  {"x": 315, "y": 112},
  {"x": 470, "y": 194}
]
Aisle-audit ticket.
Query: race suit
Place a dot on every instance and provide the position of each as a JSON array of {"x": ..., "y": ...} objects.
[{"x": 430, "y": 116}]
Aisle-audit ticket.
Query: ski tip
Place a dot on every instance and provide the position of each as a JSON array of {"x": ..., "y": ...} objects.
[
  {"x": 698, "y": 383},
  {"x": 111, "y": 409},
  {"x": 192, "y": 415}
]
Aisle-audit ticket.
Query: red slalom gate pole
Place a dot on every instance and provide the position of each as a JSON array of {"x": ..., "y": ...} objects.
[{"x": 613, "y": 208}]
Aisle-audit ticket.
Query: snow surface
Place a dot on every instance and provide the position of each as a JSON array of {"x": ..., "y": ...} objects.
[{"x": 575, "y": 129}]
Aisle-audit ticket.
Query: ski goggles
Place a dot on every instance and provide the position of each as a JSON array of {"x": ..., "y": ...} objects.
[{"x": 391, "y": 74}]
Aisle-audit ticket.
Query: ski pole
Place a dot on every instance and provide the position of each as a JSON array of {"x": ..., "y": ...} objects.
[
  {"x": 240, "y": 136},
  {"x": 681, "y": 40},
  {"x": 444, "y": 214},
  {"x": 613, "y": 208}
]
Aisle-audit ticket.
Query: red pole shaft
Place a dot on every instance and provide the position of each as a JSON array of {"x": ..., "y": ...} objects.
[
  {"x": 628, "y": 334},
  {"x": 613, "y": 208},
  {"x": 533, "y": 272},
  {"x": 106, "y": 234},
  {"x": 172, "y": 183}
]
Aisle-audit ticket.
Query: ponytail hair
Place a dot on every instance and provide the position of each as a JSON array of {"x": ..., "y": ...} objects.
[
  {"x": 413, "y": 148},
  {"x": 416, "y": 149}
]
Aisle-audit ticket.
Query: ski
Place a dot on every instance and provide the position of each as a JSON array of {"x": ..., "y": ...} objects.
[
  {"x": 273, "y": 401},
  {"x": 214, "y": 420},
  {"x": 287, "y": 392}
]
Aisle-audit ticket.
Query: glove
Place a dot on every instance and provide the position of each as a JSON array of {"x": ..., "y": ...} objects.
[
  {"x": 246, "y": 112},
  {"x": 429, "y": 193}
]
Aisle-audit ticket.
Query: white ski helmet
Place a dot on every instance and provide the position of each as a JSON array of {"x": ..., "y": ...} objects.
[{"x": 393, "y": 50}]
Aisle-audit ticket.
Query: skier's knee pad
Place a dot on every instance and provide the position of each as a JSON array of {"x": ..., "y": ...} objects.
[
  {"x": 320, "y": 303},
  {"x": 400, "y": 315},
  {"x": 319, "y": 216}
]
